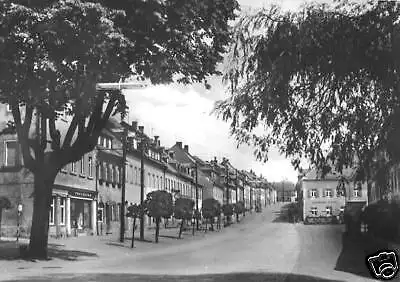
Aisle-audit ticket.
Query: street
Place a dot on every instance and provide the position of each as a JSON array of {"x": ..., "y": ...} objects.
[{"x": 260, "y": 248}]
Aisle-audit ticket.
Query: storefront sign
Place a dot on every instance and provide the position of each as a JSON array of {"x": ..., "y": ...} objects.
[{"x": 82, "y": 194}]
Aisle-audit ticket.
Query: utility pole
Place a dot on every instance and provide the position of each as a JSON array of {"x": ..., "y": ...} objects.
[
  {"x": 197, "y": 199},
  {"x": 124, "y": 150},
  {"x": 142, "y": 189}
]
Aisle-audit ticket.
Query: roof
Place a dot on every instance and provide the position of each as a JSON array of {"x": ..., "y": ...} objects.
[
  {"x": 315, "y": 174},
  {"x": 182, "y": 156}
]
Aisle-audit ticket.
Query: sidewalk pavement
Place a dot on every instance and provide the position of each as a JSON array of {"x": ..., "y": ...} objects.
[{"x": 66, "y": 252}]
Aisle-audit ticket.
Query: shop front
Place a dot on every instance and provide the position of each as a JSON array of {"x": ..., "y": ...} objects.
[{"x": 72, "y": 212}]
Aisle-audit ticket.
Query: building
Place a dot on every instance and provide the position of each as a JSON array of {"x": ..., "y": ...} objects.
[{"x": 322, "y": 198}]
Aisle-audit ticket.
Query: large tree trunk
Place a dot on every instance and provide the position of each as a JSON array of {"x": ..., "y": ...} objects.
[
  {"x": 181, "y": 228},
  {"x": 157, "y": 228},
  {"x": 40, "y": 219}
]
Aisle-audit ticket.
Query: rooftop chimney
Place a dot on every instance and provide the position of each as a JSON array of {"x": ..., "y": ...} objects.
[
  {"x": 186, "y": 148},
  {"x": 179, "y": 144},
  {"x": 134, "y": 125},
  {"x": 141, "y": 128}
]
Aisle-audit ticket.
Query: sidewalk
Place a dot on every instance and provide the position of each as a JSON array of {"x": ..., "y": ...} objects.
[{"x": 85, "y": 248}]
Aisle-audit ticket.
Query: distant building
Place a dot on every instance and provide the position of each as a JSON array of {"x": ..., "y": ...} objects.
[{"x": 321, "y": 196}]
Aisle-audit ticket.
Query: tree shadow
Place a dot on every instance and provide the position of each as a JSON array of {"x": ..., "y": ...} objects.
[
  {"x": 11, "y": 251},
  {"x": 231, "y": 277},
  {"x": 355, "y": 250}
]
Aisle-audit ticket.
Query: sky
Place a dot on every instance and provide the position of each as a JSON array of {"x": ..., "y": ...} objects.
[{"x": 183, "y": 113}]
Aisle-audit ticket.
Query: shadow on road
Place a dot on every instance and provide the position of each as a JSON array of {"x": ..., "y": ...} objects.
[
  {"x": 355, "y": 249},
  {"x": 231, "y": 277},
  {"x": 10, "y": 251}
]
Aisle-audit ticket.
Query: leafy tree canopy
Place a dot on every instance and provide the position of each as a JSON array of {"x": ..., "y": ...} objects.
[
  {"x": 227, "y": 209},
  {"x": 183, "y": 208},
  {"x": 4, "y": 203},
  {"x": 159, "y": 204},
  {"x": 322, "y": 82},
  {"x": 135, "y": 211},
  {"x": 54, "y": 52},
  {"x": 210, "y": 208}
]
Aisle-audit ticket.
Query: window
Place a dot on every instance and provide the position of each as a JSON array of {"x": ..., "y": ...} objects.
[
  {"x": 82, "y": 171},
  {"x": 113, "y": 174},
  {"x": 105, "y": 171},
  {"x": 62, "y": 211},
  {"x": 342, "y": 209},
  {"x": 8, "y": 108},
  {"x": 109, "y": 173},
  {"x": 73, "y": 167},
  {"x": 117, "y": 175},
  {"x": 314, "y": 211},
  {"x": 136, "y": 176},
  {"x": 328, "y": 193},
  {"x": 64, "y": 169},
  {"x": 99, "y": 140},
  {"x": 100, "y": 214},
  {"x": 90, "y": 166},
  {"x": 133, "y": 175},
  {"x": 154, "y": 181},
  {"x": 313, "y": 193},
  {"x": 105, "y": 142},
  {"x": 357, "y": 190},
  {"x": 11, "y": 153},
  {"x": 148, "y": 179},
  {"x": 52, "y": 211},
  {"x": 109, "y": 143},
  {"x": 328, "y": 211}
]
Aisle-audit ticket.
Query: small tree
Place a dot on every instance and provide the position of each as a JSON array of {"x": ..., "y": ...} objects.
[
  {"x": 227, "y": 209},
  {"x": 183, "y": 209},
  {"x": 158, "y": 205},
  {"x": 4, "y": 204},
  {"x": 238, "y": 209},
  {"x": 211, "y": 208},
  {"x": 135, "y": 211}
]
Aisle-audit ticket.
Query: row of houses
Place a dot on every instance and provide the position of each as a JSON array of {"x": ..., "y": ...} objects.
[{"x": 87, "y": 194}]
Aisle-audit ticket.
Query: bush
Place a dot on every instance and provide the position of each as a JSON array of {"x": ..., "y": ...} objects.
[{"x": 382, "y": 219}]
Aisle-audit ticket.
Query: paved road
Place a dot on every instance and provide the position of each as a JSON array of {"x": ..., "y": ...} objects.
[{"x": 257, "y": 249}]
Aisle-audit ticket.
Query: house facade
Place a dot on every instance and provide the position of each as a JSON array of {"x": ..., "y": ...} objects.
[{"x": 323, "y": 198}]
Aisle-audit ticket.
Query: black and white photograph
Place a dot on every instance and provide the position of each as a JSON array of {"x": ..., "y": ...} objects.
[{"x": 199, "y": 140}]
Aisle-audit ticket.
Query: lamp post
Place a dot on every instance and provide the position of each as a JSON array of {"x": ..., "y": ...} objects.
[
  {"x": 142, "y": 147},
  {"x": 124, "y": 151},
  {"x": 197, "y": 199},
  {"x": 19, "y": 213}
]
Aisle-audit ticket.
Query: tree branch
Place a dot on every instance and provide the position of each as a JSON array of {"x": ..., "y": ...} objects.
[
  {"x": 22, "y": 133},
  {"x": 96, "y": 115},
  {"x": 70, "y": 132},
  {"x": 54, "y": 134},
  {"x": 43, "y": 132}
]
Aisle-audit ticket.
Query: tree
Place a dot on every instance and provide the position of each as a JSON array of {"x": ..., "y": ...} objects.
[
  {"x": 159, "y": 204},
  {"x": 211, "y": 209},
  {"x": 4, "y": 204},
  {"x": 135, "y": 211},
  {"x": 238, "y": 209},
  {"x": 183, "y": 209},
  {"x": 54, "y": 52},
  {"x": 323, "y": 81},
  {"x": 227, "y": 210}
]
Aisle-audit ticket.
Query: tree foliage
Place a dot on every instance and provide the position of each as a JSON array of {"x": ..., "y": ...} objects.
[
  {"x": 158, "y": 205},
  {"x": 211, "y": 208},
  {"x": 322, "y": 82},
  {"x": 183, "y": 208},
  {"x": 227, "y": 209},
  {"x": 5, "y": 203},
  {"x": 53, "y": 53}
]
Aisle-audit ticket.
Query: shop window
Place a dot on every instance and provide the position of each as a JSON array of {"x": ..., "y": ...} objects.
[
  {"x": 90, "y": 166},
  {"x": 62, "y": 211},
  {"x": 52, "y": 211},
  {"x": 11, "y": 148}
]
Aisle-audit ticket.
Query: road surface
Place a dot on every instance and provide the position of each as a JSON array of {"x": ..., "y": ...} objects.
[{"x": 260, "y": 248}]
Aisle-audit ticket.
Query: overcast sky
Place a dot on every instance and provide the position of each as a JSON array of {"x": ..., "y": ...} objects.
[{"x": 182, "y": 113}]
